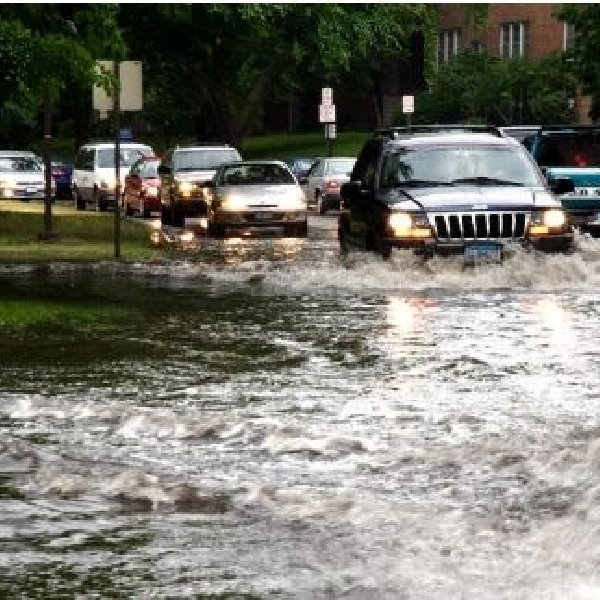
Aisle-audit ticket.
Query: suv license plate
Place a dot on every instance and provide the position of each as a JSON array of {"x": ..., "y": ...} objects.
[
  {"x": 264, "y": 216},
  {"x": 483, "y": 252}
]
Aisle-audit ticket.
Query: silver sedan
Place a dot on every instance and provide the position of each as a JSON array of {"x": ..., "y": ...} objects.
[{"x": 253, "y": 196}]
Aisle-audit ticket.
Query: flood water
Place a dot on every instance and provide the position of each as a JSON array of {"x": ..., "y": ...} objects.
[{"x": 265, "y": 420}]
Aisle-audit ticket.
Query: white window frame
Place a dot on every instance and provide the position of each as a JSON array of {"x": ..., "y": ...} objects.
[
  {"x": 514, "y": 29},
  {"x": 568, "y": 36},
  {"x": 450, "y": 43}
]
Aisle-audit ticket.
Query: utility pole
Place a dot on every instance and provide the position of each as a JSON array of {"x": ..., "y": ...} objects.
[{"x": 47, "y": 234}]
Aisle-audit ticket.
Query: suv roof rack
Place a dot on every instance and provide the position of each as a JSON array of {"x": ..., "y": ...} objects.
[
  {"x": 395, "y": 132},
  {"x": 544, "y": 128}
]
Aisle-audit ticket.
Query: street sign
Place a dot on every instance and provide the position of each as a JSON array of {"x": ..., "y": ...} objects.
[
  {"x": 326, "y": 95},
  {"x": 130, "y": 83},
  {"x": 408, "y": 104},
  {"x": 326, "y": 113}
]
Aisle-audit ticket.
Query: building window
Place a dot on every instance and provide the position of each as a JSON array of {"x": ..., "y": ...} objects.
[
  {"x": 449, "y": 44},
  {"x": 568, "y": 36},
  {"x": 514, "y": 39},
  {"x": 478, "y": 47}
]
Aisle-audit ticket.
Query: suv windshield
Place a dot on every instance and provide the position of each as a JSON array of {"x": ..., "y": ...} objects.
[
  {"x": 476, "y": 164},
  {"x": 199, "y": 159},
  {"x": 569, "y": 150},
  {"x": 106, "y": 156}
]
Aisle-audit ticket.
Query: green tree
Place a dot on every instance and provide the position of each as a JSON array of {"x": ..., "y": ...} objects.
[
  {"x": 220, "y": 62},
  {"x": 583, "y": 57},
  {"x": 479, "y": 87}
]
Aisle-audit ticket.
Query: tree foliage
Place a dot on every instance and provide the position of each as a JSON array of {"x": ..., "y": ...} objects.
[
  {"x": 220, "y": 62},
  {"x": 479, "y": 87},
  {"x": 583, "y": 57}
]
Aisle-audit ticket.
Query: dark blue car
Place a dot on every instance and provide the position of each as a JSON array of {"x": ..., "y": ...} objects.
[{"x": 62, "y": 173}]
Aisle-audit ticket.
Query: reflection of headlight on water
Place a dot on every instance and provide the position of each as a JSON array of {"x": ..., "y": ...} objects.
[{"x": 400, "y": 315}]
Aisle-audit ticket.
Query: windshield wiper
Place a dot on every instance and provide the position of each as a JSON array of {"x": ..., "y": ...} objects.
[
  {"x": 421, "y": 183},
  {"x": 485, "y": 181}
]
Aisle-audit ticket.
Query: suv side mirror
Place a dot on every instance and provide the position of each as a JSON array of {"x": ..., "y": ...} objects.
[
  {"x": 164, "y": 170},
  {"x": 562, "y": 185}
]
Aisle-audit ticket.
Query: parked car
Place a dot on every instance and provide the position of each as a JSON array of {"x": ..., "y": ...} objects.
[
  {"x": 300, "y": 165},
  {"x": 140, "y": 193},
  {"x": 62, "y": 174},
  {"x": 22, "y": 175},
  {"x": 251, "y": 196},
  {"x": 573, "y": 152},
  {"x": 323, "y": 182},
  {"x": 94, "y": 172},
  {"x": 184, "y": 174},
  {"x": 450, "y": 190}
]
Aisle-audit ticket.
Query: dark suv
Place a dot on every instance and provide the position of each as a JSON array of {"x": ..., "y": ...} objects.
[
  {"x": 184, "y": 174},
  {"x": 572, "y": 152},
  {"x": 450, "y": 190}
]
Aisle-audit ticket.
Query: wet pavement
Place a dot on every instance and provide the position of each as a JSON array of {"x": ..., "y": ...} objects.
[{"x": 265, "y": 420}]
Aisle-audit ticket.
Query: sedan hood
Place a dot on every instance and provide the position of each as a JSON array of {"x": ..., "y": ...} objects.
[
  {"x": 263, "y": 195},
  {"x": 24, "y": 177},
  {"x": 469, "y": 198},
  {"x": 195, "y": 176}
]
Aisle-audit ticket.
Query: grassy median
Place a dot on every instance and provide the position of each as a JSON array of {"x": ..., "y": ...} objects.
[{"x": 78, "y": 236}]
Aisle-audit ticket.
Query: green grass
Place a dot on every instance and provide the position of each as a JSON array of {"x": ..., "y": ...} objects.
[
  {"x": 281, "y": 146},
  {"x": 23, "y": 313},
  {"x": 81, "y": 237}
]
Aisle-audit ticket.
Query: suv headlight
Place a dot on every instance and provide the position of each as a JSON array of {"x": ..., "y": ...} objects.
[
  {"x": 544, "y": 220},
  {"x": 403, "y": 224}
]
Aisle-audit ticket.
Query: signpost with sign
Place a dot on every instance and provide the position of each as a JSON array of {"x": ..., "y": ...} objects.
[
  {"x": 408, "y": 107},
  {"x": 126, "y": 96},
  {"x": 327, "y": 116}
]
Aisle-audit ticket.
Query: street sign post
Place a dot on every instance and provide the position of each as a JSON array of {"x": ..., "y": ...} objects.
[
  {"x": 408, "y": 107},
  {"x": 126, "y": 96},
  {"x": 327, "y": 116}
]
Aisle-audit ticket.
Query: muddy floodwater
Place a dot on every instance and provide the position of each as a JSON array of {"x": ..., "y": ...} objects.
[{"x": 262, "y": 419}]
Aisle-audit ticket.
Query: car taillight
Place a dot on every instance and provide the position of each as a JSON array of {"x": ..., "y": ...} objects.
[
  {"x": 332, "y": 185},
  {"x": 56, "y": 172}
]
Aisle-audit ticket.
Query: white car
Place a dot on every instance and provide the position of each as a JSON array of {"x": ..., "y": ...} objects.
[
  {"x": 251, "y": 196},
  {"x": 22, "y": 175},
  {"x": 94, "y": 172}
]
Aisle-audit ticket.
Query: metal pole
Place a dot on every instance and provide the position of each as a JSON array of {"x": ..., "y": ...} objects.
[
  {"x": 117, "y": 124},
  {"x": 47, "y": 235}
]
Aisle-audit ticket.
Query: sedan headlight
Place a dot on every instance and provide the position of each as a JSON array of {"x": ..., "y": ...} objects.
[
  {"x": 233, "y": 203},
  {"x": 185, "y": 188},
  {"x": 403, "y": 224},
  {"x": 107, "y": 184},
  {"x": 554, "y": 218}
]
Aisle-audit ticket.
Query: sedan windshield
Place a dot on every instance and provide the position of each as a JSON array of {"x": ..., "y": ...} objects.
[
  {"x": 452, "y": 164},
  {"x": 255, "y": 174},
  {"x": 19, "y": 164},
  {"x": 340, "y": 166}
]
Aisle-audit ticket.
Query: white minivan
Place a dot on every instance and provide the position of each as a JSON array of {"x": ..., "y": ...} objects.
[{"x": 94, "y": 172}]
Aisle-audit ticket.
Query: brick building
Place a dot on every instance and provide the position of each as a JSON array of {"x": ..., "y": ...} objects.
[{"x": 510, "y": 30}]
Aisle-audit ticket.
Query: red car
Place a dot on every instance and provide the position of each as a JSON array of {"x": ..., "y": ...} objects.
[{"x": 140, "y": 194}]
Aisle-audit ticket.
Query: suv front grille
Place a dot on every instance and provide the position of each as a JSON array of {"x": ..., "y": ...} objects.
[{"x": 479, "y": 225}]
